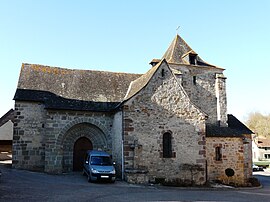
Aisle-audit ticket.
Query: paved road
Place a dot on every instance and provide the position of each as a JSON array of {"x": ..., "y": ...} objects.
[{"x": 19, "y": 185}]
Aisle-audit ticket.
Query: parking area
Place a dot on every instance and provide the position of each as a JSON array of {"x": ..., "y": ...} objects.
[{"x": 21, "y": 185}]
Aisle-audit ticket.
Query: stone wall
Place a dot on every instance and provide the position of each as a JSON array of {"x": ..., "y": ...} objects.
[
  {"x": 43, "y": 140},
  {"x": 163, "y": 106},
  {"x": 236, "y": 155},
  {"x": 204, "y": 88},
  {"x": 28, "y": 137},
  {"x": 247, "y": 141},
  {"x": 63, "y": 128}
]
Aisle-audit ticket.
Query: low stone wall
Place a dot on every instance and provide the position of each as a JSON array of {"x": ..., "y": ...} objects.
[{"x": 136, "y": 176}]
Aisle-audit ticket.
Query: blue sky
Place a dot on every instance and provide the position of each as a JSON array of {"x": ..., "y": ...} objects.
[{"x": 124, "y": 36}]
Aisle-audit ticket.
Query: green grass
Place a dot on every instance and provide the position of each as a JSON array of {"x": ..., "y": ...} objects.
[{"x": 262, "y": 163}]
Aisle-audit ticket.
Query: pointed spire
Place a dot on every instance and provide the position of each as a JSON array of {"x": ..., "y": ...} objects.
[
  {"x": 179, "y": 52},
  {"x": 176, "y": 50}
]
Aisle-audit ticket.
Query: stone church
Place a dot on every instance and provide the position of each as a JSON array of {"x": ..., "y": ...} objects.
[{"x": 167, "y": 125}]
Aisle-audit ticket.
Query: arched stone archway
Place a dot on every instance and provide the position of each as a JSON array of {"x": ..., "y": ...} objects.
[
  {"x": 81, "y": 132},
  {"x": 81, "y": 146}
]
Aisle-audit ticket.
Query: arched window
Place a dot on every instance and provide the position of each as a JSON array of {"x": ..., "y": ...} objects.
[{"x": 167, "y": 145}]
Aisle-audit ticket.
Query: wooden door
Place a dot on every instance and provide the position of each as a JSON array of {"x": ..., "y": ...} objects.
[{"x": 80, "y": 147}]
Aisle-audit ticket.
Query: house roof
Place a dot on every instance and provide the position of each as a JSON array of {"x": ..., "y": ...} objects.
[
  {"x": 234, "y": 123},
  {"x": 71, "y": 84},
  {"x": 6, "y": 117},
  {"x": 263, "y": 142},
  {"x": 235, "y": 129}
]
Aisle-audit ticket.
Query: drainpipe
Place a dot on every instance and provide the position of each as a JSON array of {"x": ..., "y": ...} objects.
[
  {"x": 123, "y": 167},
  {"x": 206, "y": 172},
  {"x": 122, "y": 148}
]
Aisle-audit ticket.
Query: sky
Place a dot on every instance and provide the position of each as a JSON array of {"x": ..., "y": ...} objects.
[{"x": 124, "y": 36}]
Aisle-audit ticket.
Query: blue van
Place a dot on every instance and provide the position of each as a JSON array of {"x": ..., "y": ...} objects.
[{"x": 98, "y": 165}]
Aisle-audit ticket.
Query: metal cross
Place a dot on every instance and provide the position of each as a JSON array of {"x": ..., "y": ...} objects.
[{"x": 177, "y": 29}]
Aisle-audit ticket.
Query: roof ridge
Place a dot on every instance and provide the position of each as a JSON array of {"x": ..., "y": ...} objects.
[{"x": 37, "y": 66}]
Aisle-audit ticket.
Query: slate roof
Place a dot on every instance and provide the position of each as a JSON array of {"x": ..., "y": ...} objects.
[
  {"x": 6, "y": 117},
  {"x": 53, "y": 101},
  {"x": 235, "y": 129},
  {"x": 234, "y": 123},
  {"x": 84, "y": 85},
  {"x": 61, "y": 88},
  {"x": 177, "y": 50}
]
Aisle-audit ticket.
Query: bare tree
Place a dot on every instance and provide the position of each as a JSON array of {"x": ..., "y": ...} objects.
[{"x": 259, "y": 124}]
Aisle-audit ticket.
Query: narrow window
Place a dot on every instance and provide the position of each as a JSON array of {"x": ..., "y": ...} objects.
[
  {"x": 167, "y": 145},
  {"x": 218, "y": 154},
  {"x": 194, "y": 80},
  {"x": 162, "y": 73}
]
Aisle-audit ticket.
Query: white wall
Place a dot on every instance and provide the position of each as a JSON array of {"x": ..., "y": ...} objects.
[
  {"x": 255, "y": 152},
  {"x": 6, "y": 131},
  {"x": 117, "y": 129}
]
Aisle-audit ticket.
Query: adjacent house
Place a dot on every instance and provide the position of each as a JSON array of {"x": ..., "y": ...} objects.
[
  {"x": 6, "y": 134},
  {"x": 168, "y": 124},
  {"x": 261, "y": 150}
]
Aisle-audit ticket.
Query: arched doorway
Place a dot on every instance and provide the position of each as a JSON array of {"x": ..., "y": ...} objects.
[
  {"x": 80, "y": 147},
  {"x": 89, "y": 133}
]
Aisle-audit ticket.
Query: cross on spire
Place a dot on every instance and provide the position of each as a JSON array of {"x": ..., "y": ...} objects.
[{"x": 177, "y": 29}]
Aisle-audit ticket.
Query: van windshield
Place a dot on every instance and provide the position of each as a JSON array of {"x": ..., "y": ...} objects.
[{"x": 101, "y": 160}]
